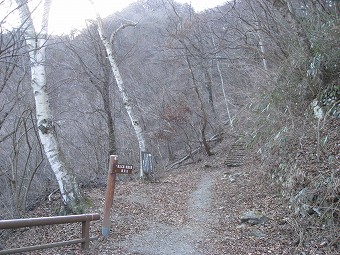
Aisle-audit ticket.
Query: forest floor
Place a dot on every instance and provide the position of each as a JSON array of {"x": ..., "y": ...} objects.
[{"x": 194, "y": 209}]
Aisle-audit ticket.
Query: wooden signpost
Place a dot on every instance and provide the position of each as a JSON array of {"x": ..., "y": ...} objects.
[{"x": 114, "y": 168}]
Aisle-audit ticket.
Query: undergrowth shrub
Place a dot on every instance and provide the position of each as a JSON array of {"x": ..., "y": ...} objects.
[{"x": 299, "y": 141}]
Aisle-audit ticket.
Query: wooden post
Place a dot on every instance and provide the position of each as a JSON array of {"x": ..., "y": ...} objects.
[
  {"x": 110, "y": 187},
  {"x": 85, "y": 234}
]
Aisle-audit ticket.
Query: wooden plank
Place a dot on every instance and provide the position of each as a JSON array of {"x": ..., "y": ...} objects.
[
  {"x": 45, "y": 246},
  {"x": 30, "y": 222}
]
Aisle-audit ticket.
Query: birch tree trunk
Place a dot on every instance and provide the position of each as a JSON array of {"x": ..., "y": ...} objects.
[
  {"x": 36, "y": 43},
  {"x": 126, "y": 100},
  {"x": 222, "y": 81},
  {"x": 259, "y": 35}
]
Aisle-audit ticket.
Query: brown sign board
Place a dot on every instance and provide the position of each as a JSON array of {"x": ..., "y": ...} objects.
[{"x": 122, "y": 169}]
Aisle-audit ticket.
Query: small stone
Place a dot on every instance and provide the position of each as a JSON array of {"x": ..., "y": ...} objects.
[
  {"x": 258, "y": 233},
  {"x": 233, "y": 177},
  {"x": 253, "y": 218},
  {"x": 324, "y": 243},
  {"x": 226, "y": 174},
  {"x": 241, "y": 226}
]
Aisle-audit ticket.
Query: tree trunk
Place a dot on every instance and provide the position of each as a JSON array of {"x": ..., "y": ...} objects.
[
  {"x": 258, "y": 29},
  {"x": 103, "y": 90},
  {"x": 209, "y": 85},
  {"x": 204, "y": 118},
  {"x": 222, "y": 82},
  {"x": 135, "y": 121},
  {"x": 71, "y": 196},
  {"x": 110, "y": 126}
]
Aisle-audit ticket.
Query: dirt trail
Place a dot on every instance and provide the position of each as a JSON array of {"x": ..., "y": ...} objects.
[
  {"x": 192, "y": 210},
  {"x": 162, "y": 239},
  {"x": 195, "y": 210}
]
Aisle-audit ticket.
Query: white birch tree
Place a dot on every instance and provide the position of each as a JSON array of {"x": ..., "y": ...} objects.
[
  {"x": 221, "y": 79},
  {"x": 135, "y": 120},
  {"x": 36, "y": 45}
]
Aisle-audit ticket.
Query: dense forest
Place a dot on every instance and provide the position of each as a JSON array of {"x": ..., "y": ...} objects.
[{"x": 265, "y": 71}]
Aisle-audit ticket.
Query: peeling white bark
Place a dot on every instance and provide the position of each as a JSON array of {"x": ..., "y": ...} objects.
[
  {"x": 263, "y": 52},
  {"x": 126, "y": 100},
  {"x": 36, "y": 42}
]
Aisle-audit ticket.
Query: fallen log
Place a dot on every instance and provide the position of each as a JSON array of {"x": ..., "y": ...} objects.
[{"x": 212, "y": 139}]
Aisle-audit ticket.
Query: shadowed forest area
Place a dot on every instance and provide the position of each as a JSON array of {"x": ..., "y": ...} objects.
[{"x": 254, "y": 79}]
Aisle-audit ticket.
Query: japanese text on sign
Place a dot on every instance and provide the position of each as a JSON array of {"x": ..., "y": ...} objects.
[{"x": 122, "y": 169}]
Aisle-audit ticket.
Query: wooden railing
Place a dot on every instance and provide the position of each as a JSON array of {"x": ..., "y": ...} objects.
[{"x": 85, "y": 239}]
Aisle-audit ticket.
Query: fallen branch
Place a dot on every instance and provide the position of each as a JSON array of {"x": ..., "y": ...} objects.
[
  {"x": 186, "y": 157},
  {"x": 52, "y": 193},
  {"x": 212, "y": 139}
]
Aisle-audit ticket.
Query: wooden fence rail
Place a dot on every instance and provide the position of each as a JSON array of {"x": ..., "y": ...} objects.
[{"x": 85, "y": 239}]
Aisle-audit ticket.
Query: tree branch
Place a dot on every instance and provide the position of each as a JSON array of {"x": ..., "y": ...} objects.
[{"x": 127, "y": 24}]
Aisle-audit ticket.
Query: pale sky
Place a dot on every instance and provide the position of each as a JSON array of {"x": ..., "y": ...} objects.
[
  {"x": 63, "y": 16},
  {"x": 68, "y": 14}
]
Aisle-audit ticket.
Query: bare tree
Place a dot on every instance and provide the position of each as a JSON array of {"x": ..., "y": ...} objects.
[
  {"x": 26, "y": 157},
  {"x": 288, "y": 11},
  {"x": 135, "y": 120},
  {"x": 11, "y": 43},
  {"x": 100, "y": 80},
  {"x": 191, "y": 41},
  {"x": 36, "y": 44}
]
